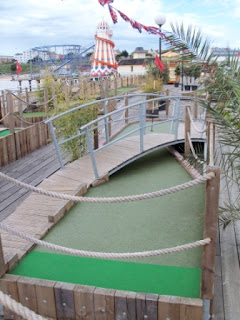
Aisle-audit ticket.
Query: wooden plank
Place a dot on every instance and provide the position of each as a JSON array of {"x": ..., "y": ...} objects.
[
  {"x": 64, "y": 299},
  {"x": 27, "y": 293},
  {"x": 169, "y": 308},
  {"x": 210, "y": 231},
  {"x": 147, "y": 306},
  {"x": 84, "y": 302},
  {"x": 46, "y": 298},
  {"x": 121, "y": 308},
  {"x": 104, "y": 304},
  {"x": 8, "y": 285},
  {"x": 191, "y": 309},
  {"x": 3, "y": 266},
  {"x": 131, "y": 305}
]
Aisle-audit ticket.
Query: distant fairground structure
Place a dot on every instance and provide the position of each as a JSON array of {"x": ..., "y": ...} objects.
[{"x": 103, "y": 60}]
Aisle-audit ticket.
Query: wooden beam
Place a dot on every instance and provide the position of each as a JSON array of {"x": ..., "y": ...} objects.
[
  {"x": 84, "y": 302},
  {"x": 210, "y": 231}
]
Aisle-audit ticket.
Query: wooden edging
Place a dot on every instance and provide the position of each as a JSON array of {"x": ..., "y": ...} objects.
[{"x": 59, "y": 300}]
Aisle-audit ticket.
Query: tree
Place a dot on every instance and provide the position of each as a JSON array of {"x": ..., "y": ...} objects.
[
  {"x": 13, "y": 67},
  {"x": 223, "y": 89}
]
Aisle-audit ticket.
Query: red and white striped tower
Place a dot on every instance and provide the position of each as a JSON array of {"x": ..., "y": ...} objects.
[{"x": 103, "y": 60}]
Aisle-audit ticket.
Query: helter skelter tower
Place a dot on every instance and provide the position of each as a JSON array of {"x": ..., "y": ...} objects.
[{"x": 103, "y": 60}]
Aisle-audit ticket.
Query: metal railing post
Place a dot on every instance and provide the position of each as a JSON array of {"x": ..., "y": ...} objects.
[
  {"x": 56, "y": 144},
  {"x": 90, "y": 148},
  {"x": 106, "y": 121},
  {"x": 177, "y": 118},
  {"x": 141, "y": 123}
]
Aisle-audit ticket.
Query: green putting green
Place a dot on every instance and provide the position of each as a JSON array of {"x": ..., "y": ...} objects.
[
  {"x": 6, "y": 132},
  {"x": 167, "y": 280},
  {"x": 128, "y": 227}
]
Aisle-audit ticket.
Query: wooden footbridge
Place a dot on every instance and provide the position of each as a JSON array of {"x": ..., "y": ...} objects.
[{"x": 124, "y": 135}]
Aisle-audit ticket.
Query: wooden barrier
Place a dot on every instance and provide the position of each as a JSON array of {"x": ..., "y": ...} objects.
[
  {"x": 17, "y": 145},
  {"x": 58, "y": 300}
]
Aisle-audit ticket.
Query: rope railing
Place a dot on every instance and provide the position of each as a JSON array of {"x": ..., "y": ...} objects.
[
  {"x": 28, "y": 122},
  {"x": 144, "y": 196},
  {"x": 18, "y": 308},
  {"x": 28, "y": 103},
  {"x": 193, "y": 151},
  {"x": 106, "y": 255},
  {"x": 193, "y": 124},
  {"x": 6, "y": 115}
]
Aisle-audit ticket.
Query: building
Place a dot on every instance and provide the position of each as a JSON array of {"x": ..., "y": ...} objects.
[
  {"x": 139, "y": 53},
  {"x": 4, "y": 59},
  {"x": 223, "y": 53}
]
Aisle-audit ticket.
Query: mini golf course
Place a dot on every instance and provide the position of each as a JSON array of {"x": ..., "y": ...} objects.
[{"x": 128, "y": 227}]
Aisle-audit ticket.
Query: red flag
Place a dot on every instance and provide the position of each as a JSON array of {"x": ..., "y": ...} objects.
[
  {"x": 19, "y": 68},
  {"x": 159, "y": 64},
  {"x": 238, "y": 53}
]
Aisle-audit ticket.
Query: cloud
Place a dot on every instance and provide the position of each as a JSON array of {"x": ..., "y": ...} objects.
[{"x": 29, "y": 23}]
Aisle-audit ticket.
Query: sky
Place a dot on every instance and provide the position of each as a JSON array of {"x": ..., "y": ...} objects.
[{"x": 26, "y": 24}]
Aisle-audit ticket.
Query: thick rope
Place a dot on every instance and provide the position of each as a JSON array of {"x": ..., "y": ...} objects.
[
  {"x": 144, "y": 196},
  {"x": 4, "y": 117},
  {"x": 193, "y": 151},
  {"x": 31, "y": 123},
  {"x": 196, "y": 128},
  {"x": 105, "y": 255},
  {"x": 28, "y": 103},
  {"x": 18, "y": 308}
]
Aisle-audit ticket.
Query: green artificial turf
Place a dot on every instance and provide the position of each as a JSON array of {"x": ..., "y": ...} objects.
[
  {"x": 6, "y": 132},
  {"x": 164, "y": 280},
  {"x": 129, "y": 227}
]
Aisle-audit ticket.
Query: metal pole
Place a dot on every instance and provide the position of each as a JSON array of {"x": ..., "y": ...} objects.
[
  {"x": 160, "y": 43},
  {"x": 182, "y": 73},
  {"x": 56, "y": 144},
  {"x": 91, "y": 151}
]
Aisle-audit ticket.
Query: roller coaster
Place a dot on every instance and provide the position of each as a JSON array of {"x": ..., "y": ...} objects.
[{"x": 63, "y": 59}]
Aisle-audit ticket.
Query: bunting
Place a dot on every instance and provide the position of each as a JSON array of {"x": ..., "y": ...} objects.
[
  {"x": 113, "y": 14},
  {"x": 103, "y": 2},
  {"x": 134, "y": 24}
]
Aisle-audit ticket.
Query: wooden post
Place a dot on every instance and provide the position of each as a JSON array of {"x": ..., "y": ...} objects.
[
  {"x": 195, "y": 110},
  {"x": 106, "y": 87},
  {"x": 95, "y": 138},
  {"x": 66, "y": 91},
  {"x": 20, "y": 107},
  {"x": 3, "y": 103},
  {"x": 54, "y": 96},
  {"x": 27, "y": 96},
  {"x": 210, "y": 140},
  {"x": 46, "y": 99},
  {"x": 10, "y": 110},
  {"x": 115, "y": 86},
  {"x": 210, "y": 231},
  {"x": 126, "y": 111},
  {"x": 1, "y": 115},
  {"x": 3, "y": 266},
  {"x": 187, "y": 130},
  {"x": 167, "y": 103}
]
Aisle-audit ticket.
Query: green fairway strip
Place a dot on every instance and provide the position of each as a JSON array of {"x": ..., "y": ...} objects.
[{"x": 164, "y": 280}]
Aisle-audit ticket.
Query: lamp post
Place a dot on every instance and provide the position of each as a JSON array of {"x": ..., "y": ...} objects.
[{"x": 160, "y": 20}]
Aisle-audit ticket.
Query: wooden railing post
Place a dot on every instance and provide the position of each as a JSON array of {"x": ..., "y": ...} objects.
[
  {"x": 195, "y": 108},
  {"x": 3, "y": 266},
  {"x": 10, "y": 110},
  {"x": 20, "y": 107},
  {"x": 126, "y": 111},
  {"x": 210, "y": 231},
  {"x": 167, "y": 103},
  {"x": 54, "y": 96},
  {"x": 27, "y": 96},
  {"x": 95, "y": 139},
  {"x": 46, "y": 99},
  {"x": 3, "y": 104},
  {"x": 210, "y": 140},
  {"x": 115, "y": 86},
  {"x": 187, "y": 131}
]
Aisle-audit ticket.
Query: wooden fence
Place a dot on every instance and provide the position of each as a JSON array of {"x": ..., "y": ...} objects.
[
  {"x": 20, "y": 143},
  {"x": 59, "y": 300}
]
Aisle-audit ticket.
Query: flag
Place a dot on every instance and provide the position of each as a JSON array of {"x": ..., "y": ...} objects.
[
  {"x": 238, "y": 53},
  {"x": 113, "y": 14},
  {"x": 103, "y": 2},
  {"x": 159, "y": 64},
  {"x": 124, "y": 16},
  {"x": 19, "y": 68},
  {"x": 136, "y": 25}
]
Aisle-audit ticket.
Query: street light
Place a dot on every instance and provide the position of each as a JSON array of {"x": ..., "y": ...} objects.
[{"x": 160, "y": 20}]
